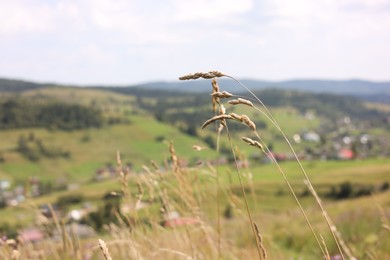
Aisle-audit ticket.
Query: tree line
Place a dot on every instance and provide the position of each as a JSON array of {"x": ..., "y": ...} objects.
[{"x": 16, "y": 112}]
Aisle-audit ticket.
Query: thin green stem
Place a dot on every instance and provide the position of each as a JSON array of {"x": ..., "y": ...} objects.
[
  {"x": 272, "y": 157},
  {"x": 268, "y": 114},
  {"x": 218, "y": 201},
  {"x": 244, "y": 193}
]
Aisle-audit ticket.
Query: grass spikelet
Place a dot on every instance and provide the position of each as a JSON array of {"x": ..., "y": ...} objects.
[
  {"x": 235, "y": 116},
  {"x": 253, "y": 143},
  {"x": 216, "y": 118},
  {"x": 215, "y": 85},
  {"x": 239, "y": 101},
  {"x": 260, "y": 241},
  {"x": 174, "y": 159},
  {"x": 15, "y": 255},
  {"x": 140, "y": 191},
  {"x": 104, "y": 249},
  {"x": 154, "y": 164},
  {"x": 223, "y": 94},
  {"x": 197, "y": 148},
  {"x": 245, "y": 119},
  {"x": 203, "y": 75},
  {"x": 215, "y": 100}
]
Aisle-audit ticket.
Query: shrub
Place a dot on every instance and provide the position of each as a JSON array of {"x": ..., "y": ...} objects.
[{"x": 67, "y": 200}]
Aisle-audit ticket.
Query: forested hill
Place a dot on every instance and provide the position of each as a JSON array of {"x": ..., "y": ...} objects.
[
  {"x": 323, "y": 101},
  {"x": 9, "y": 85},
  {"x": 349, "y": 87},
  {"x": 171, "y": 106}
]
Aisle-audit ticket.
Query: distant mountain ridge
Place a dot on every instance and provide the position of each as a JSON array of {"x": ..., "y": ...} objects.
[
  {"x": 350, "y": 87},
  {"x": 369, "y": 90}
]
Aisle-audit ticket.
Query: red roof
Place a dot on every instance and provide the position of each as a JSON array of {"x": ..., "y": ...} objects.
[
  {"x": 31, "y": 235},
  {"x": 346, "y": 154}
]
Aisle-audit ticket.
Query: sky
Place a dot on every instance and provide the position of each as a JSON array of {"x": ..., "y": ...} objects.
[{"x": 118, "y": 42}]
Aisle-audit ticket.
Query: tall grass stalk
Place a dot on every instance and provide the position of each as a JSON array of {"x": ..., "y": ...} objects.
[
  {"x": 270, "y": 117},
  {"x": 244, "y": 119},
  {"x": 259, "y": 249}
]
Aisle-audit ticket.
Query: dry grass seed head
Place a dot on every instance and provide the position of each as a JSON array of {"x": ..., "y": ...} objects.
[
  {"x": 15, "y": 254},
  {"x": 248, "y": 141},
  {"x": 154, "y": 164},
  {"x": 173, "y": 154},
  {"x": 235, "y": 116},
  {"x": 260, "y": 241},
  {"x": 197, "y": 148},
  {"x": 223, "y": 94},
  {"x": 104, "y": 249},
  {"x": 146, "y": 169},
  {"x": 245, "y": 119},
  {"x": 216, "y": 118},
  {"x": 214, "y": 100},
  {"x": 215, "y": 86},
  {"x": 253, "y": 143},
  {"x": 239, "y": 101},
  {"x": 203, "y": 75}
]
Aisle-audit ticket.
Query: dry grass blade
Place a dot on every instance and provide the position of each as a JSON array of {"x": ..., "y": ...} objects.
[
  {"x": 203, "y": 75},
  {"x": 327, "y": 256},
  {"x": 337, "y": 236},
  {"x": 104, "y": 249}
]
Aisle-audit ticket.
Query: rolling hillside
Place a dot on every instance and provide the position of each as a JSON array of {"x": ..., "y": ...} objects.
[
  {"x": 137, "y": 135},
  {"x": 139, "y": 123}
]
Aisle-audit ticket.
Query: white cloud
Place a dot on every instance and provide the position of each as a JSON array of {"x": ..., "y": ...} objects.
[
  {"x": 17, "y": 17},
  {"x": 214, "y": 10},
  {"x": 281, "y": 38}
]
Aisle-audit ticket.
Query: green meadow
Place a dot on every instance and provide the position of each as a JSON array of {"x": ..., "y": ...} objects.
[{"x": 199, "y": 184}]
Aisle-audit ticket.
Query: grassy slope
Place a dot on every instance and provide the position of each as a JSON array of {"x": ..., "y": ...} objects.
[{"x": 136, "y": 141}]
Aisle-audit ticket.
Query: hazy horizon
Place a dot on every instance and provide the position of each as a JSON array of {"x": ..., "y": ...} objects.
[{"x": 177, "y": 80}]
